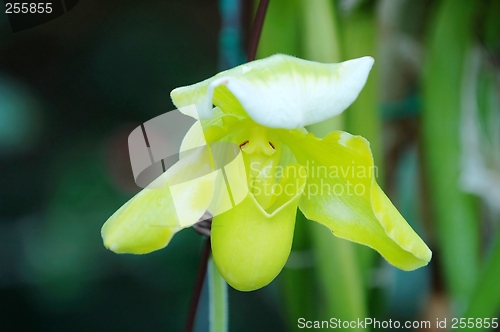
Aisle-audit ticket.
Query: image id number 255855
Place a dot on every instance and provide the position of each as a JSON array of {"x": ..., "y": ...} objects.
[{"x": 28, "y": 7}]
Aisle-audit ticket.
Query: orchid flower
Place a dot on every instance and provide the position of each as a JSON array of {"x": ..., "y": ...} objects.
[{"x": 262, "y": 107}]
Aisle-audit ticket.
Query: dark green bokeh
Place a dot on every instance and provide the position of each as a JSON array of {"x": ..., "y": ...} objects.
[{"x": 71, "y": 91}]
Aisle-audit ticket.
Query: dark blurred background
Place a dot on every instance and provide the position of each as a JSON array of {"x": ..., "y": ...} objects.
[{"x": 71, "y": 90}]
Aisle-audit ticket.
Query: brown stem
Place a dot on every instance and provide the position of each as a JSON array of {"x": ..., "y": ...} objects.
[
  {"x": 258, "y": 23},
  {"x": 198, "y": 287}
]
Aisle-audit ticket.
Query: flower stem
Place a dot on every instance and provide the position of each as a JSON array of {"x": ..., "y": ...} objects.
[
  {"x": 455, "y": 213},
  {"x": 198, "y": 287},
  {"x": 217, "y": 290},
  {"x": 257, "y": 29}
]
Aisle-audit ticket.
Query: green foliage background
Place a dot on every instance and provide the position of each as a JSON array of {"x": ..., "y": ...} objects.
[{"x": 71, "y": 91}]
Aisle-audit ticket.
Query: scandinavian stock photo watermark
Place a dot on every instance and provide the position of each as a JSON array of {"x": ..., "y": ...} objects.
[
  {"x": 365, "y": 323},
  {"x": 157, "y": 145},
  {"x": 334, "y": 180}
]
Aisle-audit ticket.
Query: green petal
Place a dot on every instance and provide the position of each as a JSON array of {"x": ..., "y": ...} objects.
[
  {"x": 203, "y": 95},
  {"x": 145, "y": 223},
  {"x": 211, "y": 130},
  {"x": 250, "y": 245},
  {"x": 342, "y": 194},
  {"x": 177, "y": 199},
  {"x": 280, "y": 91}
]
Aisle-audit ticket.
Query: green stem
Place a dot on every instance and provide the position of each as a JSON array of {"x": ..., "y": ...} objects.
[
  {"x": 320, "y": 42},
  {"x": 217, "y": 290},
  {"x": 279, "y": 33},
  {"x": 486, "y": 299},
  {"x": 454, "y": 211},
  {"x": 339, "y": 276}
]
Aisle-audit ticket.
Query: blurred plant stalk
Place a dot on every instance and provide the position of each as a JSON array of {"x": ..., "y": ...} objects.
[
  {"x": 359, "y": 35},
  {"x": 218, "y": 305},
  {"x": 485, "y": 301},
  {"x": 454, "y": 212}
]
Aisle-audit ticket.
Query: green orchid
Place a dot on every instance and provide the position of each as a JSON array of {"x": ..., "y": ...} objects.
[{"x": 262, "y": 108}]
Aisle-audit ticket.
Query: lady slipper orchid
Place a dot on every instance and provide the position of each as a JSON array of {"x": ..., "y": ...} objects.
[{"x": 262, "y": 108}]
